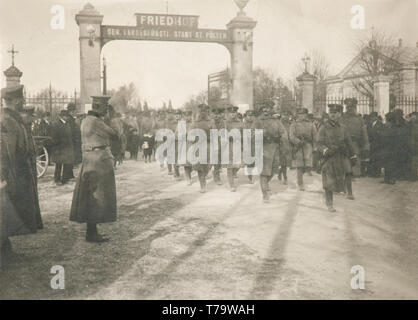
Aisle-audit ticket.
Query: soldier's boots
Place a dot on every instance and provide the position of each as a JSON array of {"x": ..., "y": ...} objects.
[
  {"x": 230, "y": 174},
  {"x": 97, "y": 238},
  {"x": 177, "y": 173},
  {"x": 188, "y": 173},
  {"x": 202, "y": 181},
  {"x": 170, "y": 169},
  {"x": 329, "y": 201},
  {"x": 265, "y": 188},
  {"x": 250, "y": 179}
]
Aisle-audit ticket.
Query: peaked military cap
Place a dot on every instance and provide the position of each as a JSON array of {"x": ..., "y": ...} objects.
[
  {"x": 71, "y": 106},
  {"x": 333, "y": 108},
  {"x": 99, "y": 101},
  {"x": 350, "y": 102},
  {"x": 302, "y": 111},
  {"x": 250, "y": 112}
]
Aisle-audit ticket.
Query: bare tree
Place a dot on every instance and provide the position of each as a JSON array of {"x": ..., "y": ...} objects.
[
  {"x": 124, "y": 97},
  {"x": 378, "y": 55}
]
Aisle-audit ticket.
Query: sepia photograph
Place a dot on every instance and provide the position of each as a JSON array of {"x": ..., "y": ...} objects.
[{"x": 228, "y": 151}]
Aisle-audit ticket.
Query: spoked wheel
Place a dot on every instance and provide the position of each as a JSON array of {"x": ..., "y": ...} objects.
[{"x": 42, "y": 160}]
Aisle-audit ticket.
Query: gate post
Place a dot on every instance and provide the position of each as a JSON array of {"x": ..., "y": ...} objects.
[
  {"x": 89, "y": 22},
  {"x": 241, "y": 32},
  {"x": 381, "y": 94},
  {"x": 306, "y": 83}
]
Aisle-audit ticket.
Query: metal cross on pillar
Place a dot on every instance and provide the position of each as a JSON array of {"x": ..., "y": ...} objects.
[
  {"x": 306, "y": 60},
  {"x": 13, "y": 52}
]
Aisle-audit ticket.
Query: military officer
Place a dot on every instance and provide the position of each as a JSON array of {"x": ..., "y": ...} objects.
[
  {"x": 233, "y": 122},
  {"x": 285, "y": 152},
  {"x": 187, "y": 165},
  {"x": 357, "y": 129},
  {"x": 249, "y": 120},
  {"x": 218, "y": 119},
  {"x": 94, "y": 198},
  {"x": 273, "y": 133},
  {"x": 336, "y": 148},
  {"x": 204, "y": 123},
  {"x": 20, "y": 212},
  {"x": 302, "y": 134},
  {"x": 159, "y": 123}
]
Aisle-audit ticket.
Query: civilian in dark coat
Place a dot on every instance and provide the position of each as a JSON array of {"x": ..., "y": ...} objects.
[
  {"x": 62, "y": 149},
  {"x": 20, "y": 212},
  {"x": 375, "y": 139}
]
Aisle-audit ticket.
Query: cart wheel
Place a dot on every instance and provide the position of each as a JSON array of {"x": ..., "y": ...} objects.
[{"x": 42, "y": 160}]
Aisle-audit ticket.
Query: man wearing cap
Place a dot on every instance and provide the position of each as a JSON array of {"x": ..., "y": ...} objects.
[
  {"x": 357, "y": 129},
  {"x": 273, "y": 133},
  {"x": 94, "y": 198},
  {"x": 232, "y": 122},
  {"x": 218, "y": 122},
  {"x": 336, "y": 148},
  {"x": 20, "y": 212},
  {"x": 302, "y": 136},
  {"x": 285, "y": 150},
  {"x": 62, "y": 150},
  {"x": 187, "y": 117},
  {"x": 250, "y": 117},
  {"x": 203, "y": 122}
]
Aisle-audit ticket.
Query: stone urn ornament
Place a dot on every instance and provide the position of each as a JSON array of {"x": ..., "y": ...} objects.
[{"x": 241, "y": 4}]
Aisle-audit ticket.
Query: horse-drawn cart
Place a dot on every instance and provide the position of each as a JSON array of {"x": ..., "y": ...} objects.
[{"x": 42, "y": 156}]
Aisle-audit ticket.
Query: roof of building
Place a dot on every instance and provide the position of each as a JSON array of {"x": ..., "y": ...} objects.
[{"x": 407, "y": 56}]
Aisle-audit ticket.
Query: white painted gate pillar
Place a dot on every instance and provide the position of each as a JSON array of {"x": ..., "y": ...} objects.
[
  {"x": 89, "y": 21},
  {"x": 241, "y": 49},
  {"x": 306, "y": 83},
  {"x": 381, "y": 94}
]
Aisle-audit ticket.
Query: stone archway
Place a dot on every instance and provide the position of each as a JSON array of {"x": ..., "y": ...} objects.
[{"x": 237, "y": 38}]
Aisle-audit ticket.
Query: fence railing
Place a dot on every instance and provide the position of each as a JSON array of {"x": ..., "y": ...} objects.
[
  {"x": 406, "y": 103},
  {"x": 50, "y": 101},
  {"x": 365, "y": 105}
]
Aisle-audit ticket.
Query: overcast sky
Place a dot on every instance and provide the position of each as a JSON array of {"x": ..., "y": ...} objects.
[{"x": 286, "y": 29}]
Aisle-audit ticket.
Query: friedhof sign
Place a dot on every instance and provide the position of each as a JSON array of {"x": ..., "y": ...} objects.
[{"x": 164, "y": 27}]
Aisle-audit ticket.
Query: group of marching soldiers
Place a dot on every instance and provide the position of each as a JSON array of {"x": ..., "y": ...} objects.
[{"x": 335, "y": 146}]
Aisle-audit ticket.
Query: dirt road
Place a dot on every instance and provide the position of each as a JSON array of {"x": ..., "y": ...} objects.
[{"x": 172, "y": 242}]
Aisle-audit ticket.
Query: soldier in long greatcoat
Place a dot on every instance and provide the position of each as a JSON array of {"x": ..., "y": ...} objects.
[
  {"x": 302, "y": 135},
  {"x": 218, "y": 119},
  {"x": 336, "y": 148},
  {"x": 249, "y": 120},
  {"x": 20, "y": 212},
  {"x": 285, "y": 150},
  {"x": 202, "y": 122},
  {"x": 273, "y": 133},
  {"x": 357, "y": 129},
  {"x": 187, "y": 166},
  {"x": 94, "y": 198},
  {"x": 233, "y": 122}
]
